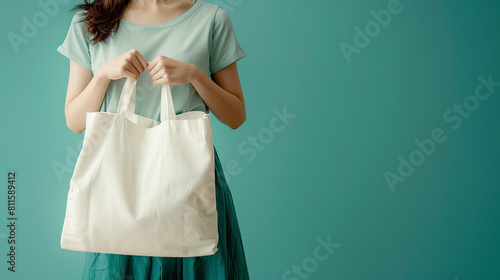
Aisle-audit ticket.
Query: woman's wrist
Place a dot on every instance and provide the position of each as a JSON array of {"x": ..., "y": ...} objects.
[
  {"x": 196, "y": 75},
  {"x": 100, "y": 76}
]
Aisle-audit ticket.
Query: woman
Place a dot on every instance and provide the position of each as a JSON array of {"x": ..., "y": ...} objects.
[{"x": 178, "y": 42}]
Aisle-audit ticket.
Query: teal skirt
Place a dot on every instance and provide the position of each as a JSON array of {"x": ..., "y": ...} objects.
[{"x": 227, "y": 263}]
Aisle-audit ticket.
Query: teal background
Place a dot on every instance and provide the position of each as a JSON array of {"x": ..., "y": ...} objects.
[{"x": 322, "y": 175}]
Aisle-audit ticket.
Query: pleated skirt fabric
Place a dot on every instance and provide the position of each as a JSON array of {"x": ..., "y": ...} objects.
[{"x": 227, "y": 263}]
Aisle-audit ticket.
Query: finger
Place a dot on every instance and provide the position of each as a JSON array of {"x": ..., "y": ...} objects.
[
  {"x": 133, "y": 65},
  {"x": 137, "y": 65},
  {"x": 155, "y": 70},
  {"x": 130, "y": 69},
  {"x": 126, "y": 64},
  {"x": 142, "y": 61},
  {"x": 158, "y": 76},
  {"x": 130, "y": 75},
  {"x": 153, "y": 63},
  {"x": 160, "y": 80}
]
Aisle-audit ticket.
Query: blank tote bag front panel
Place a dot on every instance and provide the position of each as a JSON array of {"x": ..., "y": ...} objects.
[{"x": 142, "y": 187}]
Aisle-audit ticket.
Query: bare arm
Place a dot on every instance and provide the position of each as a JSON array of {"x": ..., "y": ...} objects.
[
  {"x": 85, "y": 94},
  {"x": 86, "y": 91},
  {"x": 223, "y": 95}
]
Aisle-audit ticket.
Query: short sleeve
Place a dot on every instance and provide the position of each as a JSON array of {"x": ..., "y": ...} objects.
[
  {"x": 76, "y": 44},
  {"x": 225, "y": 47}
]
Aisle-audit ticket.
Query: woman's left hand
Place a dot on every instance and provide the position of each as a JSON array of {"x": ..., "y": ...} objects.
[{"x": 165, "y": 70}]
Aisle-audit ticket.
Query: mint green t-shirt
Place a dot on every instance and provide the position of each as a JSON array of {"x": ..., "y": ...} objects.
[{"x": 203, "y": 36}]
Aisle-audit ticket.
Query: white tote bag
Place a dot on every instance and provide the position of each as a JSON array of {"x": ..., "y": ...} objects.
[{"x": 142, "y": 187}]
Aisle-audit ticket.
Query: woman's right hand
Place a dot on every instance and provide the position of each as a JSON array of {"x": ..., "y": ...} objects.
[{"x": 130, "y": 64}]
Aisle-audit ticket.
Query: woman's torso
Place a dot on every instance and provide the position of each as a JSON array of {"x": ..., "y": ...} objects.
[{"x": 186, "y": 38}]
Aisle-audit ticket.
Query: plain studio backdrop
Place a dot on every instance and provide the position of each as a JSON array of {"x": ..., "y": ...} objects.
[{"x": 370, "y": 149}]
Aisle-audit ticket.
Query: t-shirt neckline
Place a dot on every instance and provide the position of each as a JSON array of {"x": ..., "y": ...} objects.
[{"x": 176, "y": 20}]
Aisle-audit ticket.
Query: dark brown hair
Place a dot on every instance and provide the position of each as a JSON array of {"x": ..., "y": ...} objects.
[{"x": 102, "y": 17}]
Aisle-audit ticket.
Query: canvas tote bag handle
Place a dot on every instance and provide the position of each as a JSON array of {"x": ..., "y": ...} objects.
[{"x": 126, "y": 105}]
